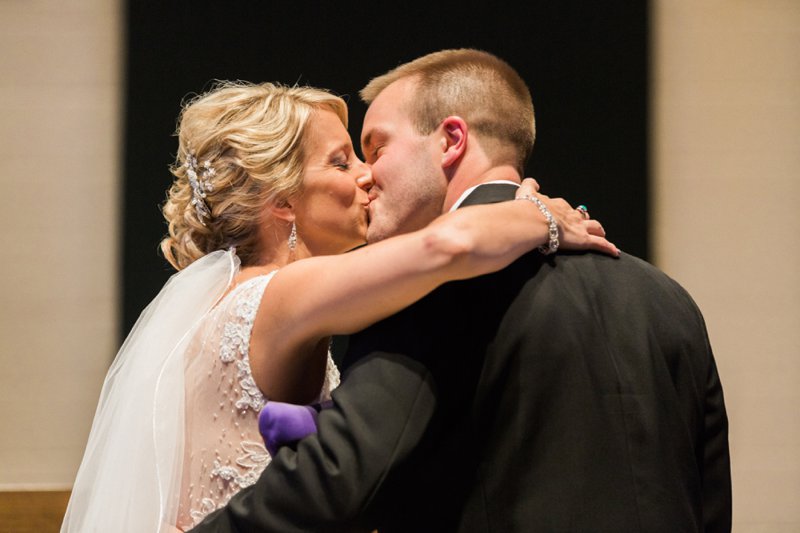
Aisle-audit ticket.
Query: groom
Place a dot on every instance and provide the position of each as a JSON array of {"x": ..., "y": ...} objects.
[{"x": 568, "y": 392}]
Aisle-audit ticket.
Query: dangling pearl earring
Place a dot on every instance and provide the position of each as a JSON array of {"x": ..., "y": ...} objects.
[{"x": 293, "y": 238}]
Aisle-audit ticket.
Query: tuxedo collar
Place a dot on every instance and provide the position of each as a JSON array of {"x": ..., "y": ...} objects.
[{"x": 487, "y": 193}]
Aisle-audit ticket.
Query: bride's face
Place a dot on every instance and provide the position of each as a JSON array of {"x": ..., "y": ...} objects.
[{"x": 331, "y": 212}]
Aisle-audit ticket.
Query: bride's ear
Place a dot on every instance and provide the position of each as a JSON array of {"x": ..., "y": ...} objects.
[{"x": 282, "y": 211}]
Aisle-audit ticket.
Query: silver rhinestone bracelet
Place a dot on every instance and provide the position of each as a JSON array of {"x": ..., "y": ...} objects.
[{"x": 552, "y": 232}]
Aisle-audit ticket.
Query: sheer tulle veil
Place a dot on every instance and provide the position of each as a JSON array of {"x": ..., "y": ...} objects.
[{"x": 130, "y": 476}]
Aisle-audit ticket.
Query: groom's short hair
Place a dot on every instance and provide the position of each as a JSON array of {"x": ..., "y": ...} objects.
[{"x": 475, "y": 85}]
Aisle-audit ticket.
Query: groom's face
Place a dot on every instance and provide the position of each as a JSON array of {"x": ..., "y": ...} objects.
[{"x": 410, "y": 186}]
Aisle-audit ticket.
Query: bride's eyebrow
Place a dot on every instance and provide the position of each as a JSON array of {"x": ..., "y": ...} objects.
[{"x": 341, "y": 147}]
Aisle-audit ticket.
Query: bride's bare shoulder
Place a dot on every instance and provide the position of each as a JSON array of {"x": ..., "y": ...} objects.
[{"x": 250, "y": 272}]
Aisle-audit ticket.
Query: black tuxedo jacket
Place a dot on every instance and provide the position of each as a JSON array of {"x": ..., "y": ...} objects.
[{"x": 574, "y": 392}]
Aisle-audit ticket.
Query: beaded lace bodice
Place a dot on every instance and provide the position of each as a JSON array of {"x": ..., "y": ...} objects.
[{"x": 224, "y": 451}]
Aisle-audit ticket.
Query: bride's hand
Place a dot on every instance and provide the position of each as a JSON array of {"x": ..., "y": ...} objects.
[{"x": 576, "y": 231}]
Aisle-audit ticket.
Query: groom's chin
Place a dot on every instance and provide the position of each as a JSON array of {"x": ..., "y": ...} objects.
[{"x": 376, "y": 232}]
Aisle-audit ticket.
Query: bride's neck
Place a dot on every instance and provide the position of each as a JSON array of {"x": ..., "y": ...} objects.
[{"x": 273, "y": 245}]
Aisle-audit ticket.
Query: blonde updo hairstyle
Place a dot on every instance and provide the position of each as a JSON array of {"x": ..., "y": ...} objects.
[{"x": 252, "y": 136}]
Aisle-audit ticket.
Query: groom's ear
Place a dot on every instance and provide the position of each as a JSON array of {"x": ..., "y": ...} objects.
[{"x": 453, "y": 133}]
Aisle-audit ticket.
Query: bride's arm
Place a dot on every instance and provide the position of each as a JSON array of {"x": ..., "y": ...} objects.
[{"x": 313, "y": 298}]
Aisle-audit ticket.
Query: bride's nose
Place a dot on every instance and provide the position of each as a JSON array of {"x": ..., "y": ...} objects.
[{"x": 365, "y": 180}]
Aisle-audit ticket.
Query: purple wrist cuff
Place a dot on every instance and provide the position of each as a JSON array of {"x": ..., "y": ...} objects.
[{"x": 283, "y": 423}]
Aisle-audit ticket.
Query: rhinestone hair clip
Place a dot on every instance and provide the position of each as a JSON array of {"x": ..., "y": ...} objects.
[{"x": 200, "y": 180}]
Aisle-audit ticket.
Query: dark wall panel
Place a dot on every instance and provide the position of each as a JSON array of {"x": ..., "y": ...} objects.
[{"x": 586, "y": 64}]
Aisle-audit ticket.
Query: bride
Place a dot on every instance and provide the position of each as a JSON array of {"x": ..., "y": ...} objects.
[{"x": 268, "y": 195}]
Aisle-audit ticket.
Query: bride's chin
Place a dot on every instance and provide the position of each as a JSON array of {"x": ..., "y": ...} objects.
[
  {"x": 357, "y": 243},
  {"x": 358, "y": 240}
]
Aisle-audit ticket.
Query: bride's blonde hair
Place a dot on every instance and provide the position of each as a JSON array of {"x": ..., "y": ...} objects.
[{"x": 251, "y": 137}]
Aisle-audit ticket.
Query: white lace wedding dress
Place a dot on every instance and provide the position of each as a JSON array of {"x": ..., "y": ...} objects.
[
  {"x": 224, "y": 452},
  {"x": 176, "y": 429}
]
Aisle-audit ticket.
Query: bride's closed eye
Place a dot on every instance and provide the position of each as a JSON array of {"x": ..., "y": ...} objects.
[{"x": 341, "y": 161}]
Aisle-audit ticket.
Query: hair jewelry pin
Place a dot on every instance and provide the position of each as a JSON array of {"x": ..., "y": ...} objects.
[{"x": 200, "y": 180}]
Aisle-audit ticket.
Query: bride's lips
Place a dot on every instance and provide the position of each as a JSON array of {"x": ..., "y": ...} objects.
[
  {"x": 371, "y": 198},
  {"x": 366, "y": 208}
]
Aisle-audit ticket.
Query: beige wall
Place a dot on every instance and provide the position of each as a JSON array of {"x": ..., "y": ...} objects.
[
  {"x": 726, "y": 147},
  {"x": 59, "y": 173}
]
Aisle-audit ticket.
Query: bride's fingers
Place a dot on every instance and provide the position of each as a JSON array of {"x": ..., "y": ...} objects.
[
  {"x": 600, "y": 244},
  {"x": 594, "y": 228},
  {"x": 534, "y": 182},
  {"x": 528, "y": 187}
]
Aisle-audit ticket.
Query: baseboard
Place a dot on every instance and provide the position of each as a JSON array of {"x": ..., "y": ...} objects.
[{"x": 32, "y": 511}]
